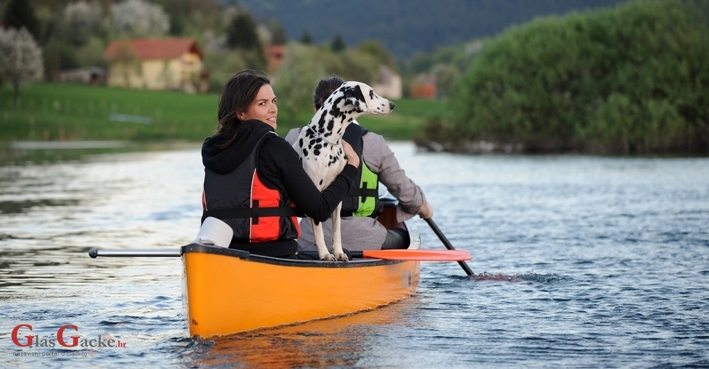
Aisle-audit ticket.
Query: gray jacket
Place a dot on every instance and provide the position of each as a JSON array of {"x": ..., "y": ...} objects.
[{"x": 364, "y": 233}]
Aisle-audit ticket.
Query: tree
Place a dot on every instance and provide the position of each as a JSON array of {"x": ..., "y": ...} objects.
[
  {"x": 20, "y": 58},
  {"x": 446, "y": 75},
  {"x": 278, "y": 33},
  {"x": 295, "y": 81},
  {"x": 242, "y": 34},
  {"x": 379, "y": 52},
  {"x": 358, "y": 66},
  {"x": 137, "y": 18},
  {"x": 177, "y": 26},
  {"x": 338, "y": 44},
  {"x": 627, "y": 80},
  {"x": 306, "y": 38},
  {"x": 58, "y": 55},
  {"x": 221, "y": 66},
  {"x": 18, "y": 14},
  {"x": 193, "y": 17},
  {"x": 91, "y": 54},
  {"x": 81, "y": 21}
]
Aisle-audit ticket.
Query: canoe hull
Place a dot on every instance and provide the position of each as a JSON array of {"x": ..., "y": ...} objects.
[{"x": 230, "y": 291}]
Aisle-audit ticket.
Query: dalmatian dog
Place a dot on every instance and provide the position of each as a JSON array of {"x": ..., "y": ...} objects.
[{"x": 319, "y": 145}]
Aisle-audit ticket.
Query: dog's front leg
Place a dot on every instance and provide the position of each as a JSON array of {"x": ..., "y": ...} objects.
[
  {"x": 320, "y": 241},
  {"x": 337, "y": 235}
]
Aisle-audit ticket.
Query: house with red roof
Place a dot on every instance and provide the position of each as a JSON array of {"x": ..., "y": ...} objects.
[
  {"x": 423, "y": 87},
  {"x": 156, "y": 64}
]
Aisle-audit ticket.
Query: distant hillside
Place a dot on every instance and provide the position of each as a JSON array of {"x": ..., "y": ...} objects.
[{"x": 408, "y": 26}]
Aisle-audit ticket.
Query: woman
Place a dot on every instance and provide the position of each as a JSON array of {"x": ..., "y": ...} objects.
[
  {"x": 254, "y": 180},
  {"x": 360, "y": 228}
]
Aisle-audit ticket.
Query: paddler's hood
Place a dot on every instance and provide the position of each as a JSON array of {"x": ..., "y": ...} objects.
[{"x": 225, "y": 160}]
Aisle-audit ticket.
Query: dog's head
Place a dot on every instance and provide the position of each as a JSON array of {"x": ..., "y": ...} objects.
[{"x": 359, "y": 98}]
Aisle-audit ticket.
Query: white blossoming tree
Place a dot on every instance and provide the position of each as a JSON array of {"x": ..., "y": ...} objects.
[
  {"x": 20, "y": 58},
  {"x": 81, "y": 20},
  {"x": 137, "y": 18}
]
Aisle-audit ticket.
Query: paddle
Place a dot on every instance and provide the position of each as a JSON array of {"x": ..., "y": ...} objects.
[
  {"x": 448, "y": 245},
  {"x": 413, "y": 255},
  {"x": 397, "y": 254}
]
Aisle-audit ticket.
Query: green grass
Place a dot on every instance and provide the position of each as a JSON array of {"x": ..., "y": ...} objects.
[
  {"x": 408, "y": 116},
  {"x": 75, "y": 112},
  {"x": 72, "y": 112}
]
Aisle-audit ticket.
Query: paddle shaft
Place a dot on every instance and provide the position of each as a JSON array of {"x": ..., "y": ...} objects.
[
  {"x": 419, "y": 255},
  {"x": 448, "y": 245},
  {"x": 132, "y": 253}
]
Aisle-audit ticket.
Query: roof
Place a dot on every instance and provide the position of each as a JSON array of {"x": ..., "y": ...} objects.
[{"x": 147, "y": 49}]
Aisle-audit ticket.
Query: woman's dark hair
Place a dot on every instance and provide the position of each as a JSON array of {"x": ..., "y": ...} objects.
[
  {"x": 237, "y": 95},
  {"x": 324, "y": 89}
]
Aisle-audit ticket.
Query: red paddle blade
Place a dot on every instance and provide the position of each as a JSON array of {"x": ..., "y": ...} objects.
[{"x": 418, "y": 255}]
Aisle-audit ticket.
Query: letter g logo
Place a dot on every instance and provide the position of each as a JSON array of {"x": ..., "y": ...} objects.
[
  {"x": 60, "y": 336},
  {"x": 14, "y": 335}
]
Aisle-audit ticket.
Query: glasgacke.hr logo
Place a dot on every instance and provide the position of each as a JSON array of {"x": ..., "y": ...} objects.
[{"x": 66, "y": 337}]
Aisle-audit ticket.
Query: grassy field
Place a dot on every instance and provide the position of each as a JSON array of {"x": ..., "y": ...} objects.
[{"x": 60, "y": 112}]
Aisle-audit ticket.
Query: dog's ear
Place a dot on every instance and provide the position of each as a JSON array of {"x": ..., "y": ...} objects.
[{"x": 355, "y": 97}]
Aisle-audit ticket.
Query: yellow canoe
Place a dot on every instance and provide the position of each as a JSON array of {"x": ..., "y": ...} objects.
[{"x": 229, "y": 291}]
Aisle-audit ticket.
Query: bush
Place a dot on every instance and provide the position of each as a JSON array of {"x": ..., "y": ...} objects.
[{"x": 625, "y": 80}]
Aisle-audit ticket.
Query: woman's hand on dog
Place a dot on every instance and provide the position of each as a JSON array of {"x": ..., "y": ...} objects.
[{"x": 350, "y": 154}]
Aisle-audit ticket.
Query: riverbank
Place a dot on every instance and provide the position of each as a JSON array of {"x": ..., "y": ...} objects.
[
  {"x": 47, "y": 152},
  {"x": 63, "y": 112}
]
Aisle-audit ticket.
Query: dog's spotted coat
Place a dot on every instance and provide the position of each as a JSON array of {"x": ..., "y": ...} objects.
[{"x": 320, "y": 148}]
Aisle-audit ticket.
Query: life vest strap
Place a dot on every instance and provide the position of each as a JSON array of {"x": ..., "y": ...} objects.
[
  {"x": 254, "y": 213},
  {"x": 363, "y": 192}
]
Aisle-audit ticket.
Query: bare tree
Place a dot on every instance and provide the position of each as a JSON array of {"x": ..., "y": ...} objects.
[{"x": 20, "y": 58}]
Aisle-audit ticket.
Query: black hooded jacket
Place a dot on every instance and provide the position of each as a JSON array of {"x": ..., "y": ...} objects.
[{"x": 279, "y": 168}]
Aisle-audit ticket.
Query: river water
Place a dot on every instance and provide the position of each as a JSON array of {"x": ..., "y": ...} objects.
[{"x": 579, "y": 262}]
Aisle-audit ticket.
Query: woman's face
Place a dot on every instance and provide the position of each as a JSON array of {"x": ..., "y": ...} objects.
[{"x": 263, "y": 107}]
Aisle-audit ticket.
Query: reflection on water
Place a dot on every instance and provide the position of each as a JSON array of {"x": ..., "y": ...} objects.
[
  {"x": 579, "y": 261},
  {"x": 16, "y": 207},
  {"x": 343, "y": 342}
]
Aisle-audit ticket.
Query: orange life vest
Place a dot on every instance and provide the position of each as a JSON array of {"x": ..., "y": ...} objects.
[{"x": 254, "y": 211}]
